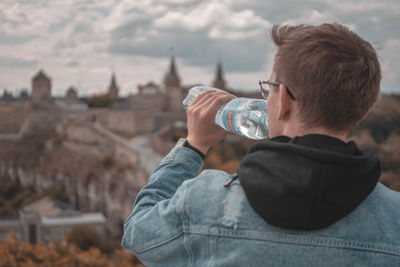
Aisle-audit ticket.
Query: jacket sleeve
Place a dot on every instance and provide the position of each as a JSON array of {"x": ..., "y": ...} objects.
[{"x": 157, "y": 216}]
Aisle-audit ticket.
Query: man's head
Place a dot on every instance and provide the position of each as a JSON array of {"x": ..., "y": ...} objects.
[{"x": 333, "y": 73}]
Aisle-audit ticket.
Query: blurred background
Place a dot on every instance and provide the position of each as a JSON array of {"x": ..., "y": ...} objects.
[{"x": 91, "y": 101}]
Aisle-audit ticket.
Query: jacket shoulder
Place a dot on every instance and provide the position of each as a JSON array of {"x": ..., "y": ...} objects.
[
  {"x": 386, "y": 199},
  {"x": 210, "y": 179},
  {"x": 206, "y": 197},
  {"x": 376, "y": 219}
]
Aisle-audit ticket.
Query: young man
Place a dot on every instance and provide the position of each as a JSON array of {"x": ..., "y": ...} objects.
[{"x": 304, "y": 197}]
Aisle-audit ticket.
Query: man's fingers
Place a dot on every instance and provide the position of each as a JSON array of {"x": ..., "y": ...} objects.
[
  {"x": 202, "y": 130},
  {"x": 210, "y": 105},
  {"x": 200, "y": 98},
  {"x": 209, "y": 99},
  {"x": 203, "y": 96},
  {"x": 205, "y": 108},
  {"x": 219, "y": 100},
  {"x": 195, "y": 108}
]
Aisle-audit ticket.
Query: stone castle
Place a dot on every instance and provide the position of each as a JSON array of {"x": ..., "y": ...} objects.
[
  {"x": 99, "y": 151},
  {"x": 153, "y": 107}
]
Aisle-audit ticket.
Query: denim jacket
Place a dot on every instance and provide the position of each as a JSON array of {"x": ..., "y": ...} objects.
[{"x": 186, "y": 218}]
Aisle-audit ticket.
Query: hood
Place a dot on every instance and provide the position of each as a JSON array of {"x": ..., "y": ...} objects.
[{"x": 308, "y": 182}]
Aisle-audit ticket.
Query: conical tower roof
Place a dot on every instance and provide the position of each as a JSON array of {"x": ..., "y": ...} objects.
[
  {"x": 72, "y": 93},
  {"x": 219, "y": 75},
  {"x": 113, "y": 83},
  {"x": 113, "y": 88},
  {"x": 219, "y": 81},
  {"x": 172, "y": 78},
  {"x": 71, "y": 89},
  {"x": 41, "y": 75}
]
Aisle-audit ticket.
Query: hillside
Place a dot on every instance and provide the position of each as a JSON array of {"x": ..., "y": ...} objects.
[
  {"x": 77, "y": 162},
  {"x": 383, "y": 119},
  {"x": 12, "y": 117},
  {"x": 380, "y": 132}
]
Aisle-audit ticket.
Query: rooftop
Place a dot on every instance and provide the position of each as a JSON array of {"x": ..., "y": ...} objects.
[{"x": 86, "y": 218}]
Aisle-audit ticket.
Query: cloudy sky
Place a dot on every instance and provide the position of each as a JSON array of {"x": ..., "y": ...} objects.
[{"x": 80, "y": 42}]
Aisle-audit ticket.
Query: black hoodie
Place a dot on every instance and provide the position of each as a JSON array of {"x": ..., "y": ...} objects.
[{"x": 307, "y": 182}]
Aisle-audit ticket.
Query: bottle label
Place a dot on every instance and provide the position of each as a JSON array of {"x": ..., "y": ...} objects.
[
  {"x": 228, "y": 114},
  {"x": 244, "y": 116},
  {"x": 230, "y": 123}
]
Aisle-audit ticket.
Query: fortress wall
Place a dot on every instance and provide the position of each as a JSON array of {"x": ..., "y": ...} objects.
[
  {"x": 155, "y": 103},
  {"x": 128, "y": 122},
  {"x": 168, "y": 118}
]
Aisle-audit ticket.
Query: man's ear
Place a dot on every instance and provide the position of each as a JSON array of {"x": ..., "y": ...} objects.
[{"x": 284, "y": 103}]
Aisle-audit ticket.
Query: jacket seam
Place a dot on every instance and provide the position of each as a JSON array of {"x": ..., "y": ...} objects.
[
  {"x": 182, "y": 163},
  {"x": 310, "y": 242},
  {"x": 145, "y": 248},
  {"x": 194, "y": 165},
  {"x": 180, "y": 210}
]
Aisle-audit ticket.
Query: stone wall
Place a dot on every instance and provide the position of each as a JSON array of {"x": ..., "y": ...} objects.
[
  {"x": 153, "y": 103},
  {"x": 125, "y": 122}
]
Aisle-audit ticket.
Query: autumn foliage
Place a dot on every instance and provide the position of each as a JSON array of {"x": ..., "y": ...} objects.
[{"x": 17, "y": 253}]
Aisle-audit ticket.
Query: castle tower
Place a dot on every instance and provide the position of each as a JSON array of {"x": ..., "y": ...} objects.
[
  {"x": 41, "y": 87},
  {"x": 219, "y": 81},
  {"x": 113, "y": 88},
  {"x": 71, "y": 93},
  {"x": 172, "y": 79},
  {"x": 173, "y": 88}
]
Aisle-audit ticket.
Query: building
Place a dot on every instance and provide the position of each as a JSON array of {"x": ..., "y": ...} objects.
[
  {"x": 150, "y": 109},
  {"x": 219, "y": 81},
  {"x": 150, "y": 97},
  {"x": 49, "y": 220},
  {"x": 71, "y": 93},
  {"x": 71, "y": 101},
  {"x": 173, "y": 88},
  {"x": 7, "y": 96},
  {"x": 41, "y": 87},
  {"x": 149, "y": 89},
  {"x": 113, "y": 88}
]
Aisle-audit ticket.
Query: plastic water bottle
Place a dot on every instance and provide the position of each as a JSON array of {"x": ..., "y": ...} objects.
[{"x": 243, "y": 116}]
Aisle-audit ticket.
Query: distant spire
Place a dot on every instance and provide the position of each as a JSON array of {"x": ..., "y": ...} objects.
[
  {"x": 219, "y": 73},
  {"x": 219, "y": 81},
  {"x": 113, "y": 88},
  {"x": 172, "y": 78},
  {"x": 113, "y": 84}
]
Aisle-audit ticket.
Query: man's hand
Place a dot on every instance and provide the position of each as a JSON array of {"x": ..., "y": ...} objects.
[{"x": 203, "y": 132}]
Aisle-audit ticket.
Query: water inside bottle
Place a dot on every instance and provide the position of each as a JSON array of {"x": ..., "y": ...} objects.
[{"x": 252, "y": 124}]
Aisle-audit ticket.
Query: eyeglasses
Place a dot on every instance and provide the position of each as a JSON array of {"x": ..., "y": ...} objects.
[{"x": 264, "y": 91}]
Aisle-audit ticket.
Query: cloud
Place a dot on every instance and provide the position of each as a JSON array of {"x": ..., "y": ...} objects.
[
  {"x": 30, "y": 16},
  {"x": 217, "y": 19},
  {"x": 13, "y": 62},
  {"x": 14, "y": 39},
  {"x": 390, "y": 61},
  {"x": 198, "y": 32},
  {"x": 78, "y": 41},
  {"x": 72, "y": 64},
  {"x": 317, "y": 17},
  {"x": 391, "y": 6},
  {"x": 240, "y": 25},
  {"x": 214, "y": 18}
]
